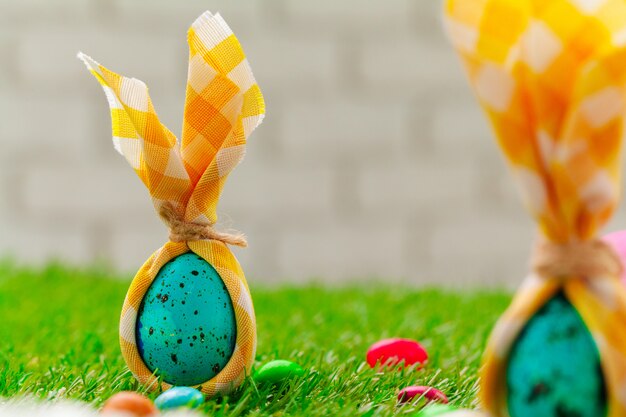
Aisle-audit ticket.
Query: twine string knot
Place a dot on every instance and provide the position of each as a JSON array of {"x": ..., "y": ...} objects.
[
  {"x": 183, "y": 231},
  {"x": 576, "y": 259}
]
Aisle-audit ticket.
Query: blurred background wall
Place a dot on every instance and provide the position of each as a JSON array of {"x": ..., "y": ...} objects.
[{"x": 374, "y": 162}]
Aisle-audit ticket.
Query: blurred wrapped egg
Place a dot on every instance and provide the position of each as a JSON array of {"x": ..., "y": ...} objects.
[
  {"x": 554, "y": 366},
  {"x": 186, "y": 327}
]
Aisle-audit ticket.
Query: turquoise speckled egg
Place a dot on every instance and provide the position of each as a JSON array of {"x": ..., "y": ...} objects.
[
  {"x": 554, "y": 367},
  {"x": 186, "y": 327}
]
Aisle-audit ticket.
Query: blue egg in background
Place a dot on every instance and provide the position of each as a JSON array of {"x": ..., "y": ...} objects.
[
  {"x": 186, "y": 326},
  {"x": 554, "y": 368}
]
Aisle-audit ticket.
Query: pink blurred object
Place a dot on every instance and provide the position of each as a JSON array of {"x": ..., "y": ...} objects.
[
  {"x": 431, "y": 394},
  {"x": 617, "y": 240}
]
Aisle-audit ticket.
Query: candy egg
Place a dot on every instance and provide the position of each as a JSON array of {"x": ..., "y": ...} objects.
[
  {"x": 431, "y": 394},
  {"x": 389, "y": 352},
  {"x": 186, "y": 327},
  {"x": 130, "y": 403},
  {"x": 178, "y": 397},
  {"x": 554, "y": 366},
  {"x": 276, "y": 371}
]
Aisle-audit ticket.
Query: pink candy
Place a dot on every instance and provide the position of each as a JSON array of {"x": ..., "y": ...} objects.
[
  {"x": 389, "y": 352},
  {"x": 431, "y": 394},
  {"x": 617, "y": 240}
]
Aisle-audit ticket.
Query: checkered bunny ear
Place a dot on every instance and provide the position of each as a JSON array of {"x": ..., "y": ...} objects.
[
  {"x": 550, "y": 75},
  {"x": 223, "y": 106},
  {"x": 148, "y": 146}
]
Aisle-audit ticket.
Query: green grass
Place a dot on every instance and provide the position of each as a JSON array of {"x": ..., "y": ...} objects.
[{"x": 58, "y": 338}]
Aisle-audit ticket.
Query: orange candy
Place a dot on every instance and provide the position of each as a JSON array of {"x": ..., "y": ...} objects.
[{"x": 131, "y": 403}]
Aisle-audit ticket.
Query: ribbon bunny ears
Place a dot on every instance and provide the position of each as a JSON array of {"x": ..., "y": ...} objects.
[
  {"x": 550, "y": 75},
  {"x": 223, "y": 106}
]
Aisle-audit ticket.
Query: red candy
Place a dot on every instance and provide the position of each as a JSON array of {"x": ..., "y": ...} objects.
[
  {"x": 431, "y": 394},
  {"x": 389, "y": 352}
]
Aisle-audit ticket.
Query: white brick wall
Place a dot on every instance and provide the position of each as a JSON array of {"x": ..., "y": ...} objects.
[
  {"x": 26, "y": 127},
  {"x": 82, "y": 191},
  {"x": 393, "y": 71},
  {"x": 325, "y": 131},
  {"x": 374, "y": 161},
  {"x": 343, "y": 250},
  {"x": 402, "y": 187},
  {"x": 291, "y": 66},
  {"x": 46, "y": 57}
]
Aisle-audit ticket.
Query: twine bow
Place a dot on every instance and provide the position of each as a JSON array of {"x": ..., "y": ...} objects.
[
  {"x": 588, "y": 259},
  {"x": 182, "y": 231}
]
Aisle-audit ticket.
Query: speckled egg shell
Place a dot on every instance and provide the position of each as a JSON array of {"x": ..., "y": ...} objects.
[
  {"x": 554, "y": 366},
  {"x": 186, "y": 326}
]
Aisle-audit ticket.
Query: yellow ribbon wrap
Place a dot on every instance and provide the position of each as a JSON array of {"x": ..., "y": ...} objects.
[
  {"x": 223, "y": 106},
  {"x": 550, "y": 74}
]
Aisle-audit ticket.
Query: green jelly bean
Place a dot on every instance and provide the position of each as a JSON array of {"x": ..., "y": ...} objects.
[{"x": 277, "y": 371}]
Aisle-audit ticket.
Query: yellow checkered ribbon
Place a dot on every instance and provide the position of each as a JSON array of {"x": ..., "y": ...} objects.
[
  {"x": 551, "y": 76},
  {"x": 223, "y": 106}
]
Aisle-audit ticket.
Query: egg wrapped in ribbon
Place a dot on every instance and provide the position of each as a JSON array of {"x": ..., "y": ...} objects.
[
  {"x": 551, "y": 77},
  {"x": 188, "y": 317}
]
